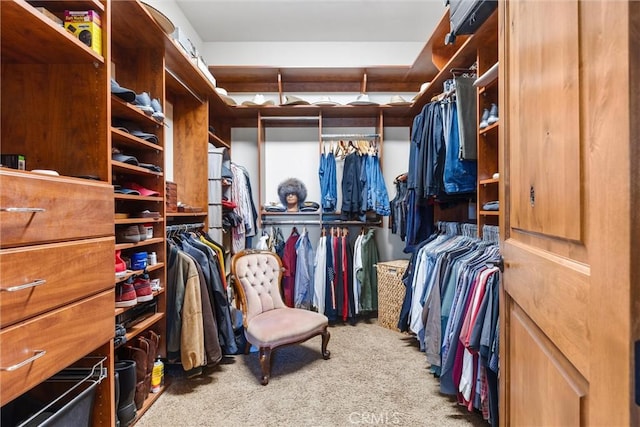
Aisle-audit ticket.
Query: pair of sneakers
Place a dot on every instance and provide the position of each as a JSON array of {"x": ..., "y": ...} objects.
[
  {"x": 151, "y": 107},
  {"x": 489, "y": 116},
  {"x": 135, "y": 289},
  {"x": 131, "y": 234}
]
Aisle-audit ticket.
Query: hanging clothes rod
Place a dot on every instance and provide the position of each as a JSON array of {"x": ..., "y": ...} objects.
[
  {"x": 185, "y": 227},
  {"x": 289, "y": 222},
  {"x": 349, "y": 135},
  {"x": 289, "y": 118}
]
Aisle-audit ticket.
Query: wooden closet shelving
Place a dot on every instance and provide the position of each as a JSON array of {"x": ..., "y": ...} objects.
[{"x": 60, "y": 127}]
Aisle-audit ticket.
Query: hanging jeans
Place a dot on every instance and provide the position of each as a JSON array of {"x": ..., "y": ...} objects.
[
  {"x": 381, "y": 197},
  {"x": 459, "y": 175},
  {"x": 328, "y": 182}
]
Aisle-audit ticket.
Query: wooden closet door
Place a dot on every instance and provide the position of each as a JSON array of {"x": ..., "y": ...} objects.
[{"x": 566, "y": 89}]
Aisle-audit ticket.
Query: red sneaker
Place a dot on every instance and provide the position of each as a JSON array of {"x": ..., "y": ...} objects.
[
  {"x": 121, "y": 266},
  {"x": 125, "y": 294},
  {"x": 142, "y": 286}
]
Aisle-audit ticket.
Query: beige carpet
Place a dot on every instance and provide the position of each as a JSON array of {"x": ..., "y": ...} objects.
[{"x": 375, "y": 377}]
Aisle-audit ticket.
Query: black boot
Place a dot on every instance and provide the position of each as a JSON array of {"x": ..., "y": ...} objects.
[
  {"x": 116, "y": 387},
  {"x": 126, "y": 370}
]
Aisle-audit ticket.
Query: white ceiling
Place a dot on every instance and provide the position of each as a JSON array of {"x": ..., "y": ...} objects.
[{"x": 312, "y": 20}]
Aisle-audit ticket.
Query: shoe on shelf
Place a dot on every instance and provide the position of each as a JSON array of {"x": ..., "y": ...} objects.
[
  {"x": 143, "y": 102},
  {"x": 121, "y": 266},
  {"x": 493, "y": 114},
  {"x": 142, "y": 287},
  {"x": 142, "y": 230},
  {"x": 130, "y": 234},
  {"x": 157, "y": 110},
  {"x": 126, "y": 294},
  {"x": 484, "y": 120}
]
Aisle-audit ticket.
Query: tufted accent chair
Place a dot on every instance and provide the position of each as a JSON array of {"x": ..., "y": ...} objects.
[{"x": 268, "y": 322}]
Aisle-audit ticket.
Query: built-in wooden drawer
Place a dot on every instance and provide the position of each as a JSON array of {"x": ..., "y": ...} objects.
[
  {"x": 34, "y": 350},
  {"x": 37, "y": 208},
  {"x": 39, "y": 278}
]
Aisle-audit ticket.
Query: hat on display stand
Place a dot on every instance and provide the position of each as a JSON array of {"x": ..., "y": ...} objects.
[
  {"x": 258, "y": 100},
  {"x": 294, "y": 100},
  {"x": 225, "y": 96},
  {"x": 326, "y": 101},
  {"x": 397, "y": 100},
  {"x": 363, "y": 99}
]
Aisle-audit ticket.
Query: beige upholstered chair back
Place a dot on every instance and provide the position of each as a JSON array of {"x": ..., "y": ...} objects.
[{"x": 259, "y": 274}]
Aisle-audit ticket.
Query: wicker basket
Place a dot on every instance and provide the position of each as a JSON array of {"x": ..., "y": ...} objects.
[{"x": 391, "y": 292}]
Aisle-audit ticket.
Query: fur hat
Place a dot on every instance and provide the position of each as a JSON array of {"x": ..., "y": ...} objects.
[{"x": 292, "y": 185}]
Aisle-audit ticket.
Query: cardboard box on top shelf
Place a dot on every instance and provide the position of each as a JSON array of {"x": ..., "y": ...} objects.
[{"x": 86, "y": 26}]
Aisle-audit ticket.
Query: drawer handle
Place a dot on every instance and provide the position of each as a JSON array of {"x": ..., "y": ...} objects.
[
  {"x": 32, "y": 210},
  {"x": 33, "y": 284},
  {"x": 38, "y": 354}
]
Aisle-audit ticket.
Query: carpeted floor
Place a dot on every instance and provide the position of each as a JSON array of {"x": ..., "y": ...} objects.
[{"x": 375, "y": 377}]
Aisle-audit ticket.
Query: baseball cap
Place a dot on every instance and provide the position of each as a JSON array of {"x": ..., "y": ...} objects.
[
  {"x": 133, "y": 129},
  {"x": 140, "y": 189},
  {"x": 122, "y": 92},
  {"x": 119, "y": 157}
]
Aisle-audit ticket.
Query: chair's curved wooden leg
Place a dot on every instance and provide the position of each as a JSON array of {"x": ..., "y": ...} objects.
[
  {"x": 325, "y": 340},
  {"x": 265, "y": 364}
]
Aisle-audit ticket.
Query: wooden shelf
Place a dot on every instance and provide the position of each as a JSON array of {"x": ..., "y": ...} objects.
[
  {"x": 27, "y": 36},
  {"x": 130, "y": 273},
  {"x": 489, "y": 129},
  {"x": 148, "y": 242},
  {"x": 183, "y": 74},
  {"x": 217, "y": 141},
  {"x": 124, "y": 139},
  {"x": 132, "y": 27},
  {"x": 138, "y": 220},
  {"x": 123, "y": 110},
  {"x": 132, "y": 169},
  {"x": 259, "y": 79},
  {"x": 186, "y": 214},
  {"x": 489, "y": 213},
  {"x": 143, "y": 325},
  {"x": 129, "y": 197},
  {"x": 488, "y": 181}
]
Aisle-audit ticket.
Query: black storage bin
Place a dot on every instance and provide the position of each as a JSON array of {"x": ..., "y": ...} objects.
[
  {"x": 466, "y": 16},
  {"x": 54, "y": 403}
]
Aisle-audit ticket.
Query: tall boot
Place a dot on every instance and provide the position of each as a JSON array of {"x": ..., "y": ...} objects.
[
  {"x": 154, "y": 342},
  {"x": 126, "y": 370},
  {"x": 140, "y": 357},
  {"x": 148, "y": 347}
]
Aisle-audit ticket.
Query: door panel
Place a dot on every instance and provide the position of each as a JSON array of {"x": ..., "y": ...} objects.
[
  {"x": 567, "y": 76},
  {"x": 558, "y": 301},
  {"x": 545, "y": 164},
  {"x": 551, "y": 394}
]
